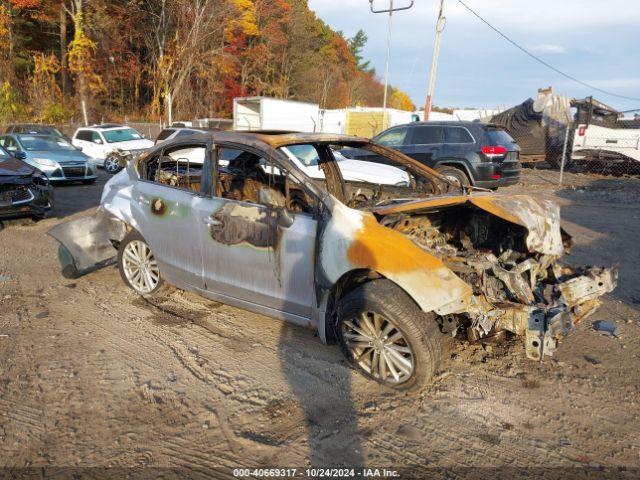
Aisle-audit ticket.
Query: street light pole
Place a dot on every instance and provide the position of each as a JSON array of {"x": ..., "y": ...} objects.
[
  {"x": 434, "y": 62},
  {"x": 390, "y": 11}
]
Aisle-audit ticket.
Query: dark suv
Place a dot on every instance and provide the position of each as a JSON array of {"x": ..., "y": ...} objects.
[{"x": 470, "y": 153}]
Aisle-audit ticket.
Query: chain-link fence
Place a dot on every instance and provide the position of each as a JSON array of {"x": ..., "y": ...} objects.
[
  {"x": 588, "y": 150},
  {"x": 592, "y": 139},
  {"x": 585, "y": 145}
]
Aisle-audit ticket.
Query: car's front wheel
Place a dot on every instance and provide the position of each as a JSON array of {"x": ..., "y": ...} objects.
[
  {"x": 138, "y": 266},
  {"x": 385, "y": 336},
  {"x": 112, "y": 164}
]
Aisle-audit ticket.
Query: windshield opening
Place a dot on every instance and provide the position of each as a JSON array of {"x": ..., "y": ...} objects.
[
  {"x": 44, "y": 143},
  {"x": 121, "y": 135},
  {"x": 364, "y": 176}
]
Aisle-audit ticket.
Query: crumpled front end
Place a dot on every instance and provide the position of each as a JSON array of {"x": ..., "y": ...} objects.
[{"x": 508, "y": 249}]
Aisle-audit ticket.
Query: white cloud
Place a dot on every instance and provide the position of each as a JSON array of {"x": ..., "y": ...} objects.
[{"x": 548, "y": 48}]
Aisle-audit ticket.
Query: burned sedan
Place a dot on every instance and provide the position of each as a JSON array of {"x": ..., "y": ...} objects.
[
  {"x": 24, "y": 190},
  {"x": 385, "y": 270}
]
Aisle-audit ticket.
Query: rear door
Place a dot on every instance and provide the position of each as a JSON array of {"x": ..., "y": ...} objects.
[
  {"x": 425, "y": 143},
  {"x": 165, "y": 204},
  {"x": 85, "y": 140},
  {"x": 459, "y": 144},
  {"x": 396, "y": 138}
]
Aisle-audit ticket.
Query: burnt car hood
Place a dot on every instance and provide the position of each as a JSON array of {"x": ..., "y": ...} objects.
[
  {"x": 16, "y": 171},
  {"x": 540, "y": 217}
]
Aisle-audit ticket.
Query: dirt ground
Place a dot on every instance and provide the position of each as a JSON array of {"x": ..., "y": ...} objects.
[{"x": 93, "y": 376}]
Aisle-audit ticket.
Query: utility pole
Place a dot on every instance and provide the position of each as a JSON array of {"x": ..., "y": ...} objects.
[
  {"x": 390, "y": 11},
  {"x": 434, "y": 62}
]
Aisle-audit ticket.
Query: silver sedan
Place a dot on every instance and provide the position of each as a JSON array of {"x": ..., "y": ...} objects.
[{"x": 385, "y": 270}]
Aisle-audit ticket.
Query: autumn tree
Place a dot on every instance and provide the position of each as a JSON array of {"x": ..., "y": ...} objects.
[{"x": 146, "y": 57}]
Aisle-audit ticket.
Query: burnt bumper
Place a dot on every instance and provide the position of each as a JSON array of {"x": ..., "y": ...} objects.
[
  {"x": 543, "y": 327},
  {"x": 580, "y": 297},
  {"x": 87, "y": 244}
]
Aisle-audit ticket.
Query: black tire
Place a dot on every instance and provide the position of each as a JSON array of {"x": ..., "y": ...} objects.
[
  {"x": 89, "y": 182},
  {"x": 160, "y": 288},
  {"x": 420, "y": 330},
  {"x": 454, "y": 174}
]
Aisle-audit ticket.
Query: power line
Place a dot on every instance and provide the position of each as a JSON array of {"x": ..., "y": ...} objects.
[{"x": 538, "y": 59}]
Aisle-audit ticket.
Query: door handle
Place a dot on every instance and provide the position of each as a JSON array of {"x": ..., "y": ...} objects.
[
  {"x": 143, "y": 201},
  {"x": 212, "y": 222}
]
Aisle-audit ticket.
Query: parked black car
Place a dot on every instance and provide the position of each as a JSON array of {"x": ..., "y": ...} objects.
[
  {"x": 36, "y": 128},
  {"x": 24, "y": 190},
  {"x": 470, "y": 153}
]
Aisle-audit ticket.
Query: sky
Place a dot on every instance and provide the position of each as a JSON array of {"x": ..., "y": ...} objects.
[{"x": 596, "y": 41}]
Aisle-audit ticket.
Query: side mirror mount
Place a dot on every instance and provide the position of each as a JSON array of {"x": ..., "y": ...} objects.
[
  {"x": 284, "y": 217},
  {"x": 19, "y": 155},
  {"x": 97, "y": 141}
]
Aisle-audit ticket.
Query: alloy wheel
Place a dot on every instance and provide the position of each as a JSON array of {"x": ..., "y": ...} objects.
[
  {"x": 111, "y": 164},
  {"x": 378, "y": 347},
  {"x": 140, "y": 267}
]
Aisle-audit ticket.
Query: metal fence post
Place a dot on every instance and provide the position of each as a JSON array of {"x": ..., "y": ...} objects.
[{"x": 564, "y": 152}]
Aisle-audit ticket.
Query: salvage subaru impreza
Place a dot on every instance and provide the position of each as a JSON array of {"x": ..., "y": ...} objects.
[{"x": 385, "y": 270}]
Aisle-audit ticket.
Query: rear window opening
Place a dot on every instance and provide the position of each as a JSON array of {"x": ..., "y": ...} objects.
[{"x": 498, "y": 136}]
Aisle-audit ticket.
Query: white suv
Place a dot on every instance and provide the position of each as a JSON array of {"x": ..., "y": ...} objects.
[{"x": 106, "y": 143}]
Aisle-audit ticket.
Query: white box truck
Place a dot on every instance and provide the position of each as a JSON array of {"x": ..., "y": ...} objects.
[{"x": 264, "y": 113}]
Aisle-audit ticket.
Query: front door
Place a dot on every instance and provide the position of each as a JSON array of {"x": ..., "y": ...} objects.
[
  {"x": 165, "y": 204},
  {"x": 255, "y": 250}
]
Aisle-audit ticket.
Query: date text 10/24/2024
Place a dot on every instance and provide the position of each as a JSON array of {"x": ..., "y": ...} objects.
[{"x": 365, "y": 473}]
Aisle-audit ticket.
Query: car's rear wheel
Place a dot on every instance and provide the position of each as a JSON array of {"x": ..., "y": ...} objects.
[
  {"x": 138, "y": 266},
  {"x": 112, "y": 164},
  {"x": 386, "y": 337},
  {"x": 454, "y": 175}
]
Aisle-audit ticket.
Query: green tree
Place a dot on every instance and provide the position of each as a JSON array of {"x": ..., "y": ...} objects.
[{"x": 356, "y": 45}]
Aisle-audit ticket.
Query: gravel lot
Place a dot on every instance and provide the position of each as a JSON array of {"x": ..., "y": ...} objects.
[{"x": 93, "y": 376}]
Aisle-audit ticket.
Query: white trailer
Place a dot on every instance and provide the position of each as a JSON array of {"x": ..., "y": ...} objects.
[{"x": 264, "y": 113}]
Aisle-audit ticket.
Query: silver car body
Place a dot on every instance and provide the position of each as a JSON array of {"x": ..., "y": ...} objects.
[{"x": 294, "y": 265}]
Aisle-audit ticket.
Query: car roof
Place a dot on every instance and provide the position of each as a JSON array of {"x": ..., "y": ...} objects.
[
  {"x": 47, "y": 125},
  {"x": 27, "y": 134},
  {"x": 453, "y": 123},
  {"x": 104, "y": 126},
  {"x": 276, "y": 139}
]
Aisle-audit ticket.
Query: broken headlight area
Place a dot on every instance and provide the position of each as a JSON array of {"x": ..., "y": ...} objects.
[{"x": 526, "y": 293}]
